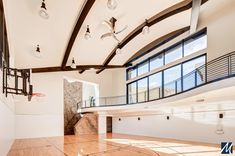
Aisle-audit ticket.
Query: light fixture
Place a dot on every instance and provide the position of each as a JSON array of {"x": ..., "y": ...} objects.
[
  {"x": 38, "y": 52},
  {"x": 112, "y": 4},
  {"x": 43, "y": 11},
  {"x": 88, "y": 33},
  {"x": 73, "y": 65},
  {"x": 118, "y": 50},
  {"x": 145, "y": 29}
]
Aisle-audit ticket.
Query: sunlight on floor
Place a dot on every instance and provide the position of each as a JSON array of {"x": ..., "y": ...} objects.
[{"x": 174, "y": 148}]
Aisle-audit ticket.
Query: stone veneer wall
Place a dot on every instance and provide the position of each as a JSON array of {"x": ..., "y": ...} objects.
[
  {"x": 88, "y": 124},
  {"x": 72, "y": 98}
]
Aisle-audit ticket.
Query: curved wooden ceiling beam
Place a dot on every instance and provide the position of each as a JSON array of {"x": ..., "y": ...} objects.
[
  {"x": 76, "y": 30},
  {"x": 156, "y": 43},
  {"x": 173, "y": 10}
]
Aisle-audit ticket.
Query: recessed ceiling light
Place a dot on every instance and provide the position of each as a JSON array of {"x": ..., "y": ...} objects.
[
  {"x": 88, "y": 33},
  {"x": 73, "y": 65},
  {"x": 43, "y": 11},
  {"x": 112, "y": 4}
]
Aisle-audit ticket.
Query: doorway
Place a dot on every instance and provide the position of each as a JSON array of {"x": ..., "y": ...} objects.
[{"x": 109, "y": 123}]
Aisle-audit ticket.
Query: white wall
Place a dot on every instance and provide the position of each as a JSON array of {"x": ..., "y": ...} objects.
[
  {"x": 185, "y": 126},
  {"x": 220, "y": 23},
  {"x": 7, "y": 128},
  {"x": 45, "y": 115}
]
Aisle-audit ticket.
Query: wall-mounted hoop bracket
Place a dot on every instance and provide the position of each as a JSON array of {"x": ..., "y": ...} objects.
[{"x": 19, "y": 82}]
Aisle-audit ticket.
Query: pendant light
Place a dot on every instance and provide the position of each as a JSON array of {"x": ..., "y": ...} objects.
[
  {"x": 112, "y": 4},
  {"x": 73, "y": 65},
  {"x": 118, "y": 50},
  {"x": 87, "y": 35},
  {"x": 38, "y": 52},
  {"x": 145, "y": 29},
  {"x": 43, "y": 11}
]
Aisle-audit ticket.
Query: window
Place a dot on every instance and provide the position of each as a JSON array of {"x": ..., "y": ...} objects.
[
  {"x": 173, "y": 54},
  {"x": 155, "y": 86},
  {"x": 172, "y": 80},
  {"x": 193, "y": 73},
  {"x": 142, "y": 90},
  {"x": 156, "y": 62},
  {"x": 195, "y": 44},
  {"x": 143, "y": 68},
  {"x": 131, "y": 73},
  {"x": 132, "y": 92}
]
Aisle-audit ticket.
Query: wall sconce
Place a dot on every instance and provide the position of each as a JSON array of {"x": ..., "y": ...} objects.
[{"x": 168, "y": 117}]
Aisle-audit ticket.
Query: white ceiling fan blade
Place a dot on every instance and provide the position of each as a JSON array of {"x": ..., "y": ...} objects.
[
  {"x": 114, "y": 36},
  {"x": 121, "y": 30},
  {"x": 106, "y": 35},
  {"x": 108, "y": 24}
]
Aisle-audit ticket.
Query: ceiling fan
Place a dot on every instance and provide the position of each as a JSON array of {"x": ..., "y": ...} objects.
[{"x": 111, "y": 25}]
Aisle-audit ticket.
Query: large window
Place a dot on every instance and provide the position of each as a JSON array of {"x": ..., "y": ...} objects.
[
  {"x": 193, "y": 73},
  {"x": 132, "y": 90},
  {"x": 186, "y": 47},
  {"x": 173, "y": 54},
  {"x": 131, "y": 73},
  {"x": 172, "y": 81},
  {"x": 143, "y": 68},
  {"x": 195, "y": 44},
  {"x": 155, "y": 86},
  {"x": 142, "y": 90},
  {"x": 156, "y": 62}
]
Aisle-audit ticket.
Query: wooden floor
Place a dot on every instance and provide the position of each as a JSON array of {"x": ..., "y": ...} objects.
[{"x": 110, "y": 145}]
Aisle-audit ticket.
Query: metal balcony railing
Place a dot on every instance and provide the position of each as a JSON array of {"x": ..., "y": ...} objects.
[{"x": 215, "y": 70}]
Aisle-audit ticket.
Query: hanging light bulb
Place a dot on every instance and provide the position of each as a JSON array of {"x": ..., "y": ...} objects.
[
  {"x": 87, "y": 35},
  {"x": 73, "y": 65},
  {"x": 112, "y": 4},
  {"x": 145, "y": 29},
  {"x": 43, "y": 11},
  {"x": 118, "y": 50},
  {"x": 38, "y": 52}
]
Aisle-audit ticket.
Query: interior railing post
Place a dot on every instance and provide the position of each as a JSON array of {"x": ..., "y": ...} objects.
[
  {"x": 229, "y": 65},
  {"x": 176, "y": 86},
  {"x": 206, "y": 74}
]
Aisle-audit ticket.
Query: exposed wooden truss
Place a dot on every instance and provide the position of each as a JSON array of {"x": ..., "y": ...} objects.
[
  {"x": 68, "y": 68},
  {"x": 76, "y": 30}
]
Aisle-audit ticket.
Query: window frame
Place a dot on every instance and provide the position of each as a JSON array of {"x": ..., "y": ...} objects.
[{"x": 193, "y": 36}]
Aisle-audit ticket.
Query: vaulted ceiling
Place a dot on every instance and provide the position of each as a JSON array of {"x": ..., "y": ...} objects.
[{"x": 26, "y": 29}]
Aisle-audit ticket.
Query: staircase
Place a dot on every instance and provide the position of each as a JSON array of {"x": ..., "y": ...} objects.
[
  {"x": 88, "y": 124},
  {"x": 70, "y": 125}
]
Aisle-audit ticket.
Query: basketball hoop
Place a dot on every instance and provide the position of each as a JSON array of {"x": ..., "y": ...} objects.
[{"x": 38, "y": 95}]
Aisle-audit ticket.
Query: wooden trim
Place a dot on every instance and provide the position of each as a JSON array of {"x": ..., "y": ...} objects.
[
  {"x": 82, "y": 71},
  {"x": 68, "y": 68},
  {"x": 76, "y": 30},
  {"x": 173, "y": 10},
  {"x": 156, "y": 43},
  {"x": 99, "y": 71}
]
